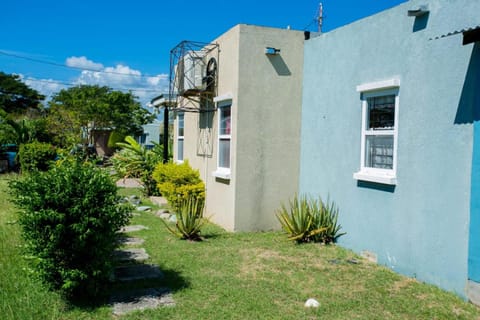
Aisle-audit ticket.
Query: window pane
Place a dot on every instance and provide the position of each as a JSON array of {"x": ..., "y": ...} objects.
[
  {"x": 379, "y": 152},
  {"x": 225, "y": 121},
  {"x": 224, "y": 153},
  {"x": 181, "y": 117},
  {"x": 381, "y": 112},
  {"x": 180, "y": 149}
]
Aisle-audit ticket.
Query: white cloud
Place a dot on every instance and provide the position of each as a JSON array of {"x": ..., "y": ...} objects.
[
  {"x": 47, "y": 87},
  {"x": 158, "y": 80},
  {"x": 122, "y": 77},
  {"x": 119, "y": 77},
  {"x": 83, "y": 62}
]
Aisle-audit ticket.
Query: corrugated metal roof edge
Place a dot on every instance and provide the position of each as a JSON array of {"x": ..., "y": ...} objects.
[{"x": 456, "y": 32}]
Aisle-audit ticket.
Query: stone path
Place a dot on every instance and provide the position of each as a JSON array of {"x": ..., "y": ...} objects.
[
  {"x": 137, "y": 272},
  {"x": 141, "y": 299},
  {"x": 131, "y": 268},
  {"x": 131, "y": 255},
  {"x": 130, "y": 241},
  {"x": 134, "y": 228}
]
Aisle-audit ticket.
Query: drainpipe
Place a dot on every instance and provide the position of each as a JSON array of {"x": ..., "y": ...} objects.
[
  {"x": 165, "y": 134},
  {"x": 165, "y": 102}
]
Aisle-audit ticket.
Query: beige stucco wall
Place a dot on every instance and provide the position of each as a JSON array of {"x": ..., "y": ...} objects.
[
  {"x": 268, "y": 143},
  {"x": 266, "y": 101},
  {"x": 201, "y": 135}
]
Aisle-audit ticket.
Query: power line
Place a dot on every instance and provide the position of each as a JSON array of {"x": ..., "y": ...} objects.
[
  {"x": 72, "y": 84},
  {"x": 62, "y": 65}
]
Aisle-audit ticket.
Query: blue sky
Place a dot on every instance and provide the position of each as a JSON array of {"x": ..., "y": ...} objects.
[{"x": 135, "y": 37}]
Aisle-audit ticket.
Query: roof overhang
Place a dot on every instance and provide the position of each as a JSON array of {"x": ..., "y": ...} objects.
[
  {"x": 163, "y": 100},
  {"x": 470, "y": 34}
]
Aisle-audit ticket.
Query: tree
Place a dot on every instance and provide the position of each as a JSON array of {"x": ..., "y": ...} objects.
[
  {"x": 16, "y": 97},
  {"x": 18, "y": 101},
  {"x": 89, "y": 107}
]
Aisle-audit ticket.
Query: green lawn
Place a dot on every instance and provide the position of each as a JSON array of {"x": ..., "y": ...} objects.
[{"x": 235, "y": 276}]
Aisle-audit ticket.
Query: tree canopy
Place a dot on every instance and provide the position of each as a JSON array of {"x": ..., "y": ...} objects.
[
  {"x": 93, "y": 107},
  {"x": 16, "y": 101},
  {"x": 16, "y": 97}
]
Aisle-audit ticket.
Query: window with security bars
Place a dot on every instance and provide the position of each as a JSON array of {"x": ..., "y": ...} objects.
[
  {"x": 379, "y": 132},
  {"x": 224, "y": 136},
  {"x": 180, "y": 135},
  {"x": 380, "y": 102}
]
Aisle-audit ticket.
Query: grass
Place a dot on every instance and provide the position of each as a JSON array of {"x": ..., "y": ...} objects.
[{"x": 235, "y": 276}]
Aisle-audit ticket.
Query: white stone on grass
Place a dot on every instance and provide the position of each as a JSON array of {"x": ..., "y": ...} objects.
[{"x": 312, "y": 303}]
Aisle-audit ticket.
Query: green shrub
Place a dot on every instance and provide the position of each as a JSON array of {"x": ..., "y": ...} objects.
[
  {"x": 310, "y": 220},
  {"x": 177, "y": 182},
  {"x": 36, "y": 156},
  {"x": 70, "y": 218},
  {"x": 189, "y": 219},
  {"x": 114, "y": 138}
]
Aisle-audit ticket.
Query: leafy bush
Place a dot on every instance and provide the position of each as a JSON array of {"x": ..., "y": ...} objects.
[
  {"x": 189, "y": 219},
  {"x": 70, "y": 217},
  {"x": 177, "y": 182},
  {"x": 36, "y": 156},
  {"x": 310, "y": 220},
  {"x": 114, "y": 138},
  {"x": 134, "y": 161}
]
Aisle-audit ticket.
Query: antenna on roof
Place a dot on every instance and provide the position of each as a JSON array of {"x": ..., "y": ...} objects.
[{"x": 319, "y": 18}]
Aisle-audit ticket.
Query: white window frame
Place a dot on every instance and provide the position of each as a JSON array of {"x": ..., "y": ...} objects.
[
  {"x": 370, "y": 90},
  {"x": 223, "y": 102},
  {"x": 180, "y": 137}
]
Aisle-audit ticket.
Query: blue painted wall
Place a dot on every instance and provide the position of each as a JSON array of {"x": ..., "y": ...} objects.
[
  {"x": 421, "y": 226},
  {"x": 474, "y": 248},
  {"x": 152, "y": 131},
  {"x": 472, "y": 104}
]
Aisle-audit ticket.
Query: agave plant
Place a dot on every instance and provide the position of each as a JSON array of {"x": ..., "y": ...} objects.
[
  {"x": 325, "y": 216},
  {"x": 297, "y": 220},
  {"x": 189, "y": 219}
]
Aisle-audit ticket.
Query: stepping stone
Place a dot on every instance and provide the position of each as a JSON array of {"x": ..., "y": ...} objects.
[
  {"x": 131, "y": 255},
  {"x": 141, "y": 299},
  {"x": 138, "y": 272},
  {"x": 159, "y": 201},
  {"x": 131, "y": 241},
  {"x": 164, "y": 215},
  {"x": 144, "y": 208},
  {"x": 133, "y": 228},
  {"x": 135, "y": 200}
]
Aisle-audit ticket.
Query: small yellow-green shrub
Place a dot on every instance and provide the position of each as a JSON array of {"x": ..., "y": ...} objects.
[{"x": 178, "y": 182}]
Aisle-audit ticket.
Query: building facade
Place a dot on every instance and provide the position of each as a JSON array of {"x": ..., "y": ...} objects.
[
  {"x": 245, "y": 139},
  {"x": 390, "y": 114}
]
